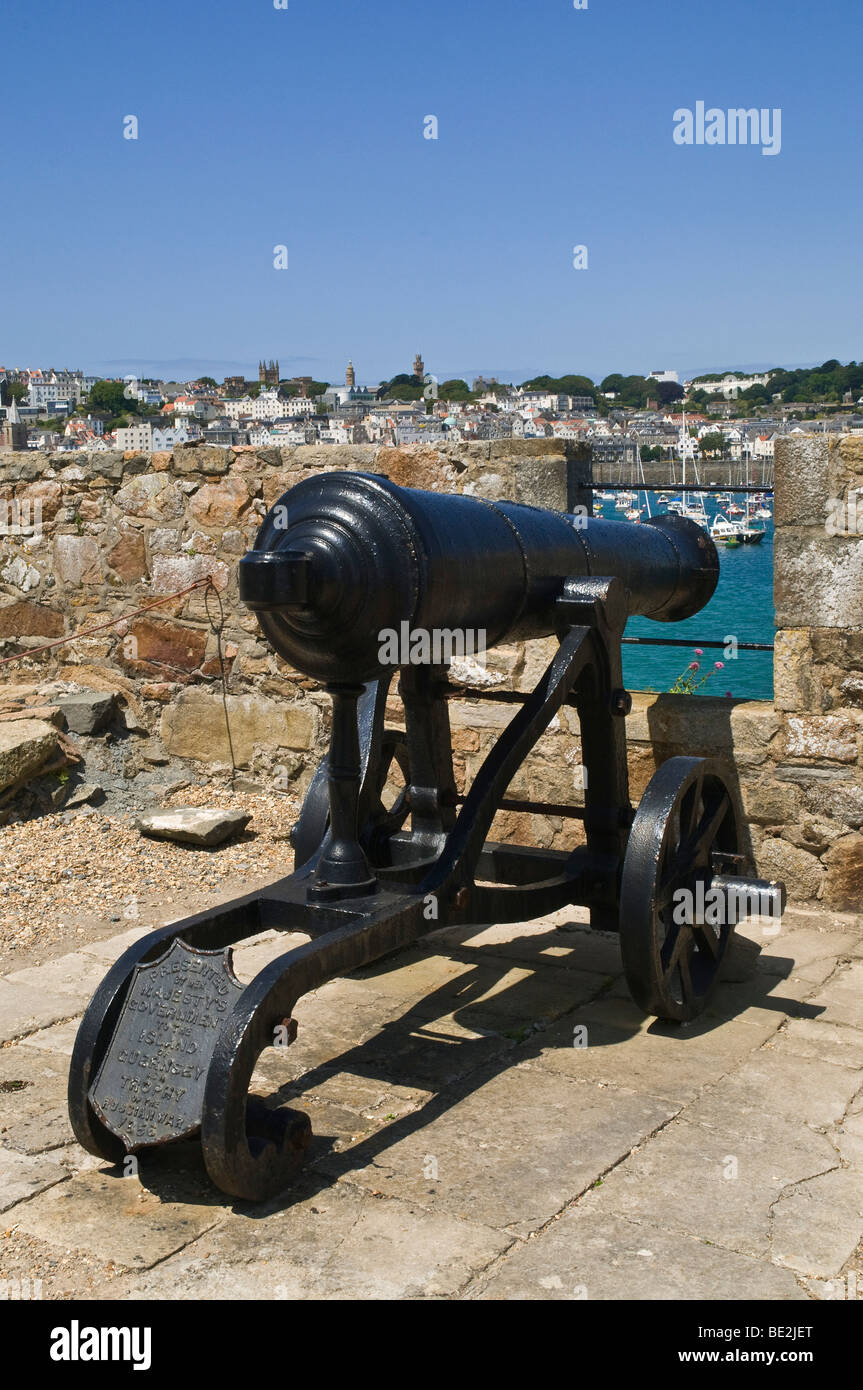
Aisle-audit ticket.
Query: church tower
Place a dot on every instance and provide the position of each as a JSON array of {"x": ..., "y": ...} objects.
[
  {"x": 419, "y": 366},
  {"x": 350, "y": 375},
  {"x": 13, "y": 432}
]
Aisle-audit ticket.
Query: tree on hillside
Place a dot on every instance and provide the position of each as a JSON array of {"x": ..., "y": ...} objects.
[
  {"x": 757, "y": 395},
  {"x": 404, "y": 387},
  {"x": 107, "y": 397},
  {"x": 614, "y": 382},
  {"x": 668, "y": 391},
  {"x": 570, "y": 385},
  {"x": 454, "y": 390}
]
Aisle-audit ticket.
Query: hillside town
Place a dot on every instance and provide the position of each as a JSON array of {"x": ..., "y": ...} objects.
[{"x": 624, "y": 420}]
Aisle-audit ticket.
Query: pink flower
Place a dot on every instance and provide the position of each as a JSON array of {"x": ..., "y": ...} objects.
[
  {"x": 718, "y": 665},
  {"x": 694, "y": 665},
  {"x": 698, "y": 651},
  {"x": 728, "y": 695}
]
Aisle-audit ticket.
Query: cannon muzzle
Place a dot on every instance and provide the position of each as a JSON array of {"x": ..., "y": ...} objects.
[{"x": 344, "y": 557}]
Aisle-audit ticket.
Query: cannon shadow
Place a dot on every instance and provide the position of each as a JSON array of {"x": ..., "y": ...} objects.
[{"x": 450, "y": 1052}]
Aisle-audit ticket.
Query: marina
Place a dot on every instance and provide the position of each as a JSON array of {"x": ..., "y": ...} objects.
[{"x": 740, "y": 611}]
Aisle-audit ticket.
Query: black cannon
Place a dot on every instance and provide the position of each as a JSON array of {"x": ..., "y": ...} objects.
[{"x": 355, "y": 580}]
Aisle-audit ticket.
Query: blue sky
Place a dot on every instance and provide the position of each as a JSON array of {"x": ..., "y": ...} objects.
[{"x": 304, "y": 127}]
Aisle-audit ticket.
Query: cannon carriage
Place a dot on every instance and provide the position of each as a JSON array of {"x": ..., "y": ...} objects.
[{"x": 170, "y": 1040}]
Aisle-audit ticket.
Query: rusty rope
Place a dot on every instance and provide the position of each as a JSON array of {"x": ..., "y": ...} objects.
[
  {"x": 114, "y": 622},
  {"x": 217, "y": 629}
]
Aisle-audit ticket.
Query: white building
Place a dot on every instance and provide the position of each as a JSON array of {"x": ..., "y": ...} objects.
[
  {"x": 687, "y": 446},
  {"x": 567, "y": 429},
  {"x": 188, "y": 408},
  {"x": 334, "y": 433},
  {"x": 763, "y": 446},
  {"x": 267, "y": 406},
  {"x": 148, "y": 437},
  {"x": 47, "y": 390},
  {"x": 147, "y": 395},
  {"x": 410, "y": 433},
  {"x": 728, "y": 386},
  {"x": 543, "y": 400},
  {"x": 287, "y": 432},
  {"x": 298, "y": 406}
]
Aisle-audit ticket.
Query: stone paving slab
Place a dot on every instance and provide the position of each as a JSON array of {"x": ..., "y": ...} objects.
[
  {"x": 429, "y": 1053},
  {"x": 812, "y": 950},
  {"x": 479, "y": 994},
  {"x": 848, "y": 1138},
  {"x": 817, "y": 1224},
  {"x": 24, "y": 1175},
  {"x": 74, "y": 977},
  {"x": 118, "y": 1218},
  {"x": 764, "y": 998},
  {"x": 510, "y": 1152},
  {"x": 623, "y": 1047},
  {"x": 842, "y": 997},
  {"x": 337, "y": 1244},
  {"x": 813, "y": 1037},
  {"x": 558, "y": 940},
  {"x": 111, "y": 948},
  {"x": 33, "y": 1113},
  {"x": 339, "y": 1104},
  {"x": 59, "y": 1038},
  {"x": 717, "y": 1184},
  {"x": 585, "y": 1255},
  {"x": 808, "y": 1091},
  {"x": 27, "y": 1008},
  {"x": 250, "y": 958}
]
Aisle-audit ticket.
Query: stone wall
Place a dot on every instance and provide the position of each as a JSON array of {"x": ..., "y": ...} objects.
[{"x": 121, "y": 530}]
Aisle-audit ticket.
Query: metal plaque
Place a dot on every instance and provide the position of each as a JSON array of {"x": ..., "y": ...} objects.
[{"x": 150, "y": 1086}]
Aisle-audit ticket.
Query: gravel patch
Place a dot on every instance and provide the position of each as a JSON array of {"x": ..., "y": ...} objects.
[{"x": 68, "y": 878}]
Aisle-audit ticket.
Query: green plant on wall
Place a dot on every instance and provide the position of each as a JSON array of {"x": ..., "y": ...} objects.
[{"x": 689, "y": 680}]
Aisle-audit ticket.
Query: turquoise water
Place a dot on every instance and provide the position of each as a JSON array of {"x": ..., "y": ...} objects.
[{"x": 742, "y": 606}]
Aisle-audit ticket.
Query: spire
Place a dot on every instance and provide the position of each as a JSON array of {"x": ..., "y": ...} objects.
[{"x": 12, "y": 416}]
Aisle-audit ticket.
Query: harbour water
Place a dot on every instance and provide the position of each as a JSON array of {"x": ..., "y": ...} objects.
[{"x": 741, "y": 608}]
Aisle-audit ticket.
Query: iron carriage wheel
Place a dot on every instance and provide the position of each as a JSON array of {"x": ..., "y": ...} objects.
[{"x": 688, "y": 826}]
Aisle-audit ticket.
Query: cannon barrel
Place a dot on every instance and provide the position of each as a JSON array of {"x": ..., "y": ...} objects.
[{"x": 343, "y": 557}]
